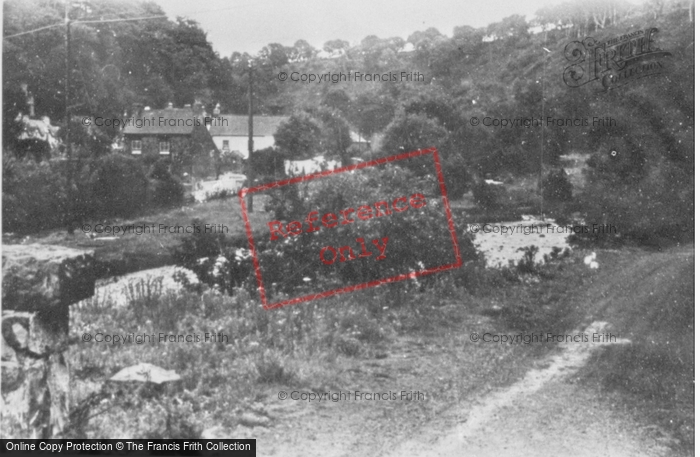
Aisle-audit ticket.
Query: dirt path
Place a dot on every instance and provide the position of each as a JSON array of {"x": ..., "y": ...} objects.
[{"x": 543, "y": 413}]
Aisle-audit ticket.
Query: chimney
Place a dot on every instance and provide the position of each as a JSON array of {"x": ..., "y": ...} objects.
[
  {"x": 170, "y": 105},
  {"x": 198, "y": 107},
  {"x": 217, "y": 110}
]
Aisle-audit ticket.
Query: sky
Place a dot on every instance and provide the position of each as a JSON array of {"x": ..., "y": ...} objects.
[{"x": 249, "y": 25}]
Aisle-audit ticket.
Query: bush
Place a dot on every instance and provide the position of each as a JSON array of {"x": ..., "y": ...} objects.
[
  {"x": 489, "y": 196},
  {"x": 119, "y": 185},
  {"x": 167, "y": 189},
  {"x": 218, "y": 261},
  {"x": 34, "y": 195},
  {"x": 457, "y": 177},
  {"x": 557, "y": 187},
  {"x": 649, "y": 210},
  {"x": 419, "y": 238}
]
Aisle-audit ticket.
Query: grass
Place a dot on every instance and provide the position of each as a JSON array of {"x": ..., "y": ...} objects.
[
  {"x": 339, "y": 343},
  {"x": 655, "y": 373},
  {"x": 132, "y": 252},
  {"x": 345, "y": 342}
]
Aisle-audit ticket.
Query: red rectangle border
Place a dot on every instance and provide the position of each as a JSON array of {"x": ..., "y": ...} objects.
[{"x": 450, "y": 221}]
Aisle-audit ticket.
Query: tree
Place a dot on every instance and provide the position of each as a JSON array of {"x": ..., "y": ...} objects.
[
  {"x": 378, "y": 54},
  {"x": 371, "y": 111},
  {"x": 268, "y": 164},
  {"x": 436, "y": 105},
  {"x": 557, "y": 187},
  {"x": 335, "y": 136},
  {"x": 335, "y": 45},
  {"x": 336, "y": 99},
  {"x": 426, "y": 38},
  {"x": 299, "y": 137},
  {"x": 411, "y": 132},
  {"x": 276, "y": 54},
  {"x": 113, "y": 64},
  {"x": 514, "y": 28},
  {"x": 302, "y": 51}
]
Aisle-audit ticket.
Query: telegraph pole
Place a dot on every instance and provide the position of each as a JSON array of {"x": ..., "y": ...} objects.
[
  {"x": 66, "y": 86},
  {"x": 251, "y": 168},
  {"x": 72, "y": 196},
  {"x": 544, "y": 73}
]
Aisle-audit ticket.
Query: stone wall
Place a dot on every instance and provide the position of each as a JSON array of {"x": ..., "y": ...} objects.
[{"x": 39, "y": 283}]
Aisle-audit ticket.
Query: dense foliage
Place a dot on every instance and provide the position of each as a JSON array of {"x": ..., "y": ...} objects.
[
  {"x": 50, "y": 194},
  {"x": 416, "y": 239},
  {"x": 497, "y": 72}
]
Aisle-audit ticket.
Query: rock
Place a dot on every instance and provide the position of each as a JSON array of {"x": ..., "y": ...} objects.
[
  {"x": 145, "y": 372},
  {"x": 12, "y": 375},
  {"x": 36, "y": 277},
  {"x": 40, "y": 282},
  {"x": 249, "y": 419},
  {"x": 216, "y": 433}
]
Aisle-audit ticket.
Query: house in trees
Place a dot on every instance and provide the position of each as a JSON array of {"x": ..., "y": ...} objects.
[
  {"x": 179, "y": 134},
  {"x": 29, "y": 136},
  {"x": 230, "y": 135},
  {"x": 359, "y": 143}
]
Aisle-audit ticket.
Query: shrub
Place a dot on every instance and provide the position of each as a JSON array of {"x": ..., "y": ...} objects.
[
  {"x": 489, "y": 196},
  {"x": 218, "y": 261},
  {"x": 167, "y": 189},
  {"x": 34, "y": 195},
  {"x": 648, "y": 209},
  {"x": 527, "y": 263},
  {"x": 119, "y": 185},
  {"x": 421, "y": 239},
  {"x": 457, "y": 176},
  {"x": 557, "y": 187},
  {"x": 271, "y": 369}
]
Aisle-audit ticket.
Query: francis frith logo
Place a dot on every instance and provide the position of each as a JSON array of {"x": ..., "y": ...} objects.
[{"x": 614, "y": 62}]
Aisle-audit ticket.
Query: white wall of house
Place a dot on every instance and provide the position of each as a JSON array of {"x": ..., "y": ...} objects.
[{"x": 240, "y": 143}]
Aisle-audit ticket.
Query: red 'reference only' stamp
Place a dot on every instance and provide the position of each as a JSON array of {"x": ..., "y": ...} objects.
[{"x": 365, "y": 231}]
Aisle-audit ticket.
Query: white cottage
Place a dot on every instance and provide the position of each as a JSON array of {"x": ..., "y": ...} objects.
[{"x": 230, "y": 133}]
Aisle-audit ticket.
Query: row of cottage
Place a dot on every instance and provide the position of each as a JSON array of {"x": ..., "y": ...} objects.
[{"x": 192, "y": 132}]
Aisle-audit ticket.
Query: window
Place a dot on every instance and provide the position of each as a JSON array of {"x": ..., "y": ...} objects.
[
  {"x": 226, "y": 147},
  {"x": 164, "y": 147},
  {"x": 136, "y": 147}
]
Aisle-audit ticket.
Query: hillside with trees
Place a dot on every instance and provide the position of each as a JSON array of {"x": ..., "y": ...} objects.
[{"x": 500, "y": 71}]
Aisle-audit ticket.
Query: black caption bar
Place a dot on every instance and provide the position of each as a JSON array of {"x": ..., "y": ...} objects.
[{"x": 231, "y": 447}]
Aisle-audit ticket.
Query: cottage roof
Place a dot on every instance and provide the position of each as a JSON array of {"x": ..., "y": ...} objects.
[
  {"x": 167, "y": 121},
  {"x": 237, "y": 125}
]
